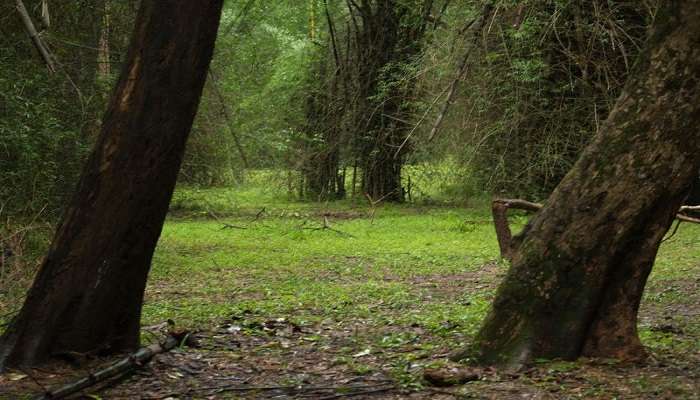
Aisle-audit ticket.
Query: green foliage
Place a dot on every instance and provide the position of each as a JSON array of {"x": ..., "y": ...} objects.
[
  {"x": 261, "y": 57},
  {"x": 49, "y": 121},
  {"x": 540, "y": 79},
  {"x": 41, "y": 152}
]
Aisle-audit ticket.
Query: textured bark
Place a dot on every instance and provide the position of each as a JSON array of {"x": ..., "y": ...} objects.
[
  {"x": 578, "y": 275},
  {"x": 88, "y": 293}
]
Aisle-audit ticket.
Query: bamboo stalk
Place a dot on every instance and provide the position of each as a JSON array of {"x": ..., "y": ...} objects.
[
  {"x": 34, "y": 35},
  {"x": 133, "y": 361}
]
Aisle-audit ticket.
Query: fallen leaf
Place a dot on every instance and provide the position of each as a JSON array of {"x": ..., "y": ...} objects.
[
  {"x": 363, "y": 353},
  {"x": 15, "y": 376}
]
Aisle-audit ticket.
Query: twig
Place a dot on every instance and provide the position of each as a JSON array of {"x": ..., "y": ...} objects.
[
  {"x": 686, "y": 218},
  {"x": 461, "y": 71},
  {"x": 10, "y": 316},
  {"x": 295, "y": 388},
  {"x": 229, "y": 226},
  {"x": 373, "y": 204},
  {"x": 358, "y": 393},
  {"x": 229, "y": 121},
  {"x": 259, "y": 215},
  {"x": 33, "y": 379},
  {"x": 225, "y": 225},
  {"x": 327, "y": 225}
]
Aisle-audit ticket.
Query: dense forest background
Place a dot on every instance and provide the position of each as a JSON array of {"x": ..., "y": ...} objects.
[{"x": 422, "y": 100}]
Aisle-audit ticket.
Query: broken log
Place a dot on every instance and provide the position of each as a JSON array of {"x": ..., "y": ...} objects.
[{"x": 133, "y": 361}]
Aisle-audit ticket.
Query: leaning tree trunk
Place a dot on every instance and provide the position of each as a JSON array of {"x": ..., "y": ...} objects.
[
  {"x": 88, "y": 293},
  {"x": 578, "y": 275}
]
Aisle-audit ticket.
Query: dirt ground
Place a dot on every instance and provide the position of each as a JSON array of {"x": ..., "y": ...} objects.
[{"x": 250, "y": 357}]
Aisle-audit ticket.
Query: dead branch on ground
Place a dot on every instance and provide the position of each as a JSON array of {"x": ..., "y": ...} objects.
[
  {"x": 259, "y": 215},
  {"x": 129, "y": 363}
]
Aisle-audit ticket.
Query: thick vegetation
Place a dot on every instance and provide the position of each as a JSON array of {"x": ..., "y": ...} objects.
[{"x": 329, "y": 223}]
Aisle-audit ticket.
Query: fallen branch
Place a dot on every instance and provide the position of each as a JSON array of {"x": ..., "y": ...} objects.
[
  {"x": 500, "y": 207},
  {"x": 229, "y": 226},
  {"x": 225, "y": 225},
  {"x": 133, "y": 361}
]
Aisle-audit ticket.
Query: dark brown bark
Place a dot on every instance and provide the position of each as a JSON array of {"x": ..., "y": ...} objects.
[
  {"x": 88, "y": 293},
  {"x": 577, "y": 278}
]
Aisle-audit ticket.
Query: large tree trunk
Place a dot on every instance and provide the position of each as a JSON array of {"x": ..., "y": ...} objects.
[
  {"x": 577, "y": 278},
  {"x": 88, "y": 293}
]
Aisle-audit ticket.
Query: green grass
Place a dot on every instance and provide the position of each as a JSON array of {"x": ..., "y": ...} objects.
[
  {"x": 417, "y": 278},
  {"x": 283, "y": 263}
]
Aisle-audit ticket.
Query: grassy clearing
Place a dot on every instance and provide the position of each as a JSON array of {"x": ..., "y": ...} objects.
[
  {"x": 412, "y": 277},
  {"x": 284, "y": 263},
  {"x": 385, "y": 292}
]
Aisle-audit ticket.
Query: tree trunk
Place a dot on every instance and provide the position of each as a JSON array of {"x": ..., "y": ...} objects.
[
  {"x": 88, "y": 293},
  {"x": 577, "y": 277},
  {"x": 381, "y": 177},
  {"x": 387, "y": 47}
]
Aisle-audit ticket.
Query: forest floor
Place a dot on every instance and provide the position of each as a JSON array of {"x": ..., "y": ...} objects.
[{"x": 338, "y": 300}]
